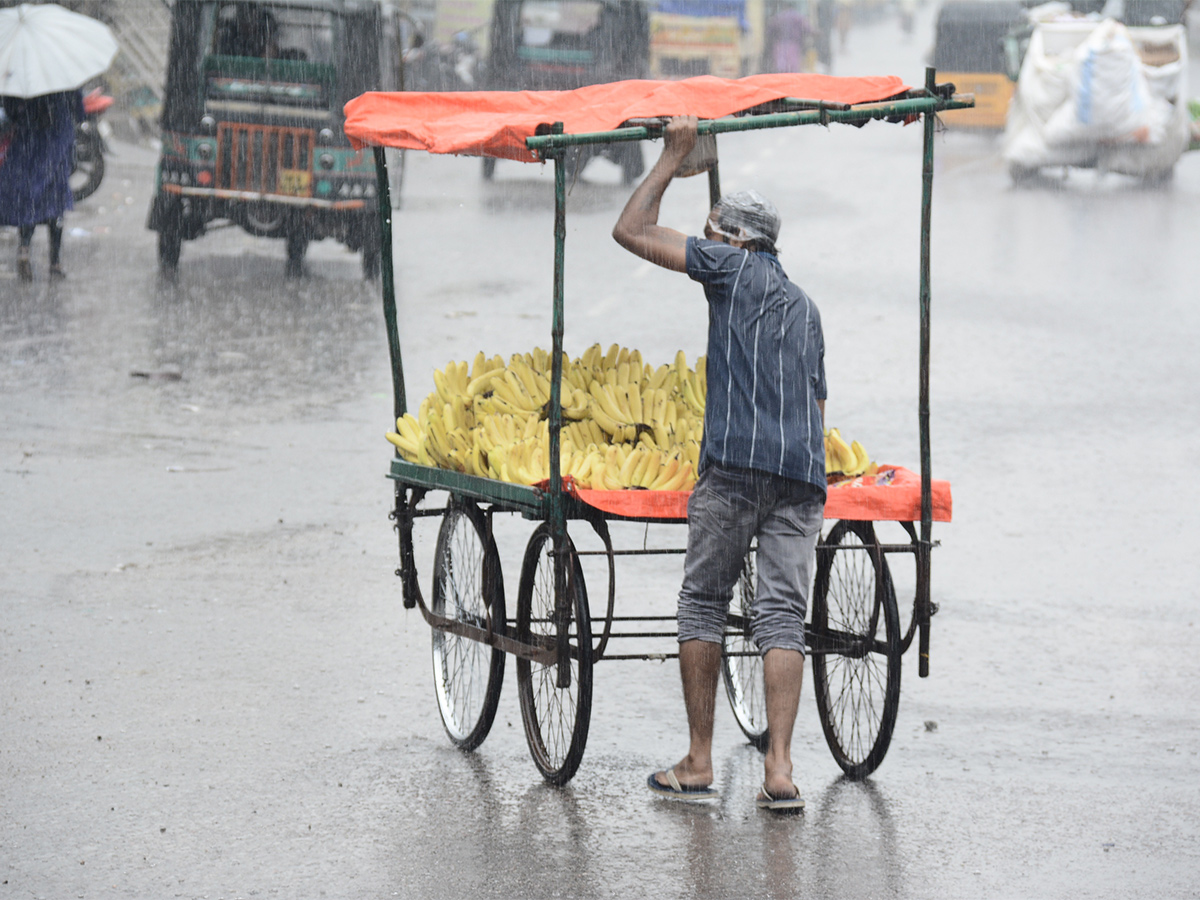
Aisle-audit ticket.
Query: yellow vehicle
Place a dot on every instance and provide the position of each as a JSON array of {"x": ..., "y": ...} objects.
[{"x": 969, "y": 51}]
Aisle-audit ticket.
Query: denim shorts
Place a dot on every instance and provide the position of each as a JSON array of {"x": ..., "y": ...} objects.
[{"x": 729, "y": 508}]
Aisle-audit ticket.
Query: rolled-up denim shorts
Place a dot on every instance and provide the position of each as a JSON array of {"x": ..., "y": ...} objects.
[{"x": 728, "y": 510}]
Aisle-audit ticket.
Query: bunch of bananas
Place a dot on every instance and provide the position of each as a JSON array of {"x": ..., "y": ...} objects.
[
  {"x": 849, "y": 460},
  {"x": 626, "y": 423}
]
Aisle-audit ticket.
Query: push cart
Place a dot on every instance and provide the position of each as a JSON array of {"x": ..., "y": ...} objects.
[{"x": 557, "y": 633}]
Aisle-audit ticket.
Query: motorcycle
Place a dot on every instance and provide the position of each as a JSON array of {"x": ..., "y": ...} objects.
[{"x": 87, "y": 168}]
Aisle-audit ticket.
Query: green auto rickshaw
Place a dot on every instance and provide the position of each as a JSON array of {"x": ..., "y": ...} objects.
[{"x": 252, "y": 122}]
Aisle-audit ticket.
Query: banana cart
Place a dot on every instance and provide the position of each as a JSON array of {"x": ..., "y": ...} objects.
[{"x": 556, "y": 634}]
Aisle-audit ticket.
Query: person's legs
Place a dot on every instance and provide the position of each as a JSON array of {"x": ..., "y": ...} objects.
[
  {"x": 24, "y": 267},
  {"x": 700, "y": 670},
  {"x": 786, "y": 543},
  {"x": 783, "y": 673},
  {"x": 55, "y": 226},
  {"x": 721, "y": 522}
]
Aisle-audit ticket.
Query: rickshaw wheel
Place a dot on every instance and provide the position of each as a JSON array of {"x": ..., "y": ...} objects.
[
  {"x": 468, "y": 587},
  {"x": 555, "y": 717},
  {"x": 857, "y": 626},
  {"x": 170, "y": 237},
  {"x": 371, "y": 250},
  {"x": 743, "y": 674},
  {"x": 297, "y": 247}
]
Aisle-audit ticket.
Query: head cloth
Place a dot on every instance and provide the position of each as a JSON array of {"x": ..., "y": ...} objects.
[{"x": 746, "y": 216}]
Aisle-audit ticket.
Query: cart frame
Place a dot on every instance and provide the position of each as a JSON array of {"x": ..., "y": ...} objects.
[{"x": 474, "y": 499}]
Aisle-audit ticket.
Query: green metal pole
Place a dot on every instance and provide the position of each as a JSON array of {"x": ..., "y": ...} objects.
[
  {"x": 923, "y": 554},
  {"x": 558, "y": 527},
  {"x": 384, "y": 203},
  {"x": 714, "y": 185},
  {"x": 556, "y": 342},
  {"x": 897, "y": 109}
]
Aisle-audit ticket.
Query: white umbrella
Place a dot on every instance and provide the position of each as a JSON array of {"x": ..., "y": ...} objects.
[{"x": 45, "y": 49}]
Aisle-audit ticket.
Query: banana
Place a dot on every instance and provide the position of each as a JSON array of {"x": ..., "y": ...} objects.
[
  {"x": 607, "y": 402},
  {"x": 666, "y": 471},
  {"x": 409, "y": 428},
  {"x": 670, "y": 415},
  {"x": 649, "y": 472},
  {"x": 481, "y": 383},
  {"x": 406, "y": 447},
  {"x": 843, "y": 456},
  {"x": 439, "y": 382},
  {"x": 676, "y": 482},
  {"x": 861, "y": 460},
  {"x": 662, "y": 437},
  {"x": 621, "y": 395},
  {"x": 681, "y": 366},
  {"x": 634, "y": 393},
  {"x": 579, "y": 405},
  {"x": 478, "y": 367},
  {"x": 610, "y": 359},
  {"x": 694, "y": 403},
  {"x": 659, "y": 378}
]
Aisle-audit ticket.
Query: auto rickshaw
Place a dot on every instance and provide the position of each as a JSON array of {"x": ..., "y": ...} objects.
[
  {"x": 969, "y": 51},
  {"x": 560, "y": 45},
  {"x": 252, "y": 122}
]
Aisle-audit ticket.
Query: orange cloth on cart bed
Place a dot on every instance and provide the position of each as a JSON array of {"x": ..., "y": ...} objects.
[
  {"x": 893, "y": 495},
  {"x": 496, "y": 123}
]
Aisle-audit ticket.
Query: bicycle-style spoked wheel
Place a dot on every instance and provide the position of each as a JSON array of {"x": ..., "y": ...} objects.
[
  {"x": 855, "y": 647},
  {"x": 467, "y": 587},
  {"x": 741, "y": 662},
  {"x": 556, "y": 706}
]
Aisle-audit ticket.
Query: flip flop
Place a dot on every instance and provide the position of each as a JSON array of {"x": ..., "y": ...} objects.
[
  {"x": 673, "y": 790},
  {"x": 780, "y": 804}
]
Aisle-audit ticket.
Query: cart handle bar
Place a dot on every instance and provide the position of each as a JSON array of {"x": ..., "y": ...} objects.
[{"x": 902, "y": 109}]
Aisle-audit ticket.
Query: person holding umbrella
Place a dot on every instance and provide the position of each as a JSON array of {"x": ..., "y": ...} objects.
[{"x": 46, "y": 54}]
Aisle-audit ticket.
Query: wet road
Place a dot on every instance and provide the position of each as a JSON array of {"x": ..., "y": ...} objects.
[{"x": 209, "y": 688}]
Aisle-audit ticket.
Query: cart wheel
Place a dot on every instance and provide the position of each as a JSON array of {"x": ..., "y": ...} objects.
[
  {"x": 743, "y": 674},
  {"x": 856, "y": 652},
  {"x": 467, "y": 587},
  {"x": 555, "y": 710}
]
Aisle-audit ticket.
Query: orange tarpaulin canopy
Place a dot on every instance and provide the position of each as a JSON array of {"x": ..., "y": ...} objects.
[
  {"x": 892, "y": 495},
  {"x": 496, "y": 123}
]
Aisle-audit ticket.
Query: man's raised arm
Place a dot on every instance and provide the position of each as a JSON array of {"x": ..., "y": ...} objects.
[{"x": 637, "y": 230}]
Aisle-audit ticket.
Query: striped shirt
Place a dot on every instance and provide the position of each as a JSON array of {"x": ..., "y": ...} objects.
[{"x": 766, "y": 365}]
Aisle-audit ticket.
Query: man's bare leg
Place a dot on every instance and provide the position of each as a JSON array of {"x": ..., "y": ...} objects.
[
  {"x": 700, "y": 670},
  {"x": 783, "y": 673}
]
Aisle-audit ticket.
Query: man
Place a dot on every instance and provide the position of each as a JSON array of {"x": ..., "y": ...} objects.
[{"x": 762, "y": 466}]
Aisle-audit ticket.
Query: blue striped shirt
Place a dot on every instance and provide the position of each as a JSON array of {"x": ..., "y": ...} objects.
[{"x": 765, "y": 367}]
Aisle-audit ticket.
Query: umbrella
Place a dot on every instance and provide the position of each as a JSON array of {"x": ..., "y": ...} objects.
[{"x": 45, "y": 49}]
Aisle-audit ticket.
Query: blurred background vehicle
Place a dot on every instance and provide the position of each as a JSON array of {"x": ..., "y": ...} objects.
[
  {"x": 91, "y": 143},
  {"x": 252, "y": 123},
  {"x": 560, "y": 45},
  {"x": 969, "y": 51},
  {"x": 1094, "y": 93}
]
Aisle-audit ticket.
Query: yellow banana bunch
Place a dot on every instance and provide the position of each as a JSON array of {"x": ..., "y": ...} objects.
[
  {"x": 626, "y": 424},
  {"x": 841, "y": 458}
]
